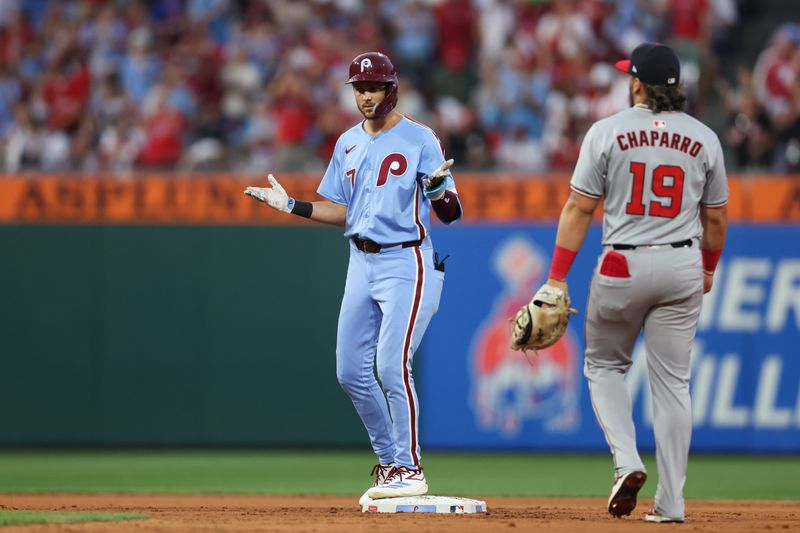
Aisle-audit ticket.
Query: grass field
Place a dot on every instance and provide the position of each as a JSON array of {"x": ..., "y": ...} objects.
[
  {"x": 337, "y": 472},
  {"x": 15, "y": 518}
]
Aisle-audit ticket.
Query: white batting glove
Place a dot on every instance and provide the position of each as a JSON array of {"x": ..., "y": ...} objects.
[
  {"x": 274, "y": 196},
  {"x": 434, "y": 184}
]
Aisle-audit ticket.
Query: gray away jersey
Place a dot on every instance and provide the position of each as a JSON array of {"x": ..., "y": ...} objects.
[{"x": 654, "y": 170}]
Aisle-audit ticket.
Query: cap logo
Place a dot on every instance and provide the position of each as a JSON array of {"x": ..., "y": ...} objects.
[
  {"x": 670, "y": 81},
  {"x": 633, "y": 68},
  {"x": 365, "y": 64}
]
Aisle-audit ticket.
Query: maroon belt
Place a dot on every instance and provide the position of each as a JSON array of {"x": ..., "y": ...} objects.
[{"x": 372, "y": 247}]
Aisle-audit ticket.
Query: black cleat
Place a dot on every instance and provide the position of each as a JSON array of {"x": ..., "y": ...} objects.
[{"x": 623, "y": 494}]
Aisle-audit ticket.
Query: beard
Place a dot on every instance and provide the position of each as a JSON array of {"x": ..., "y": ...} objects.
[{"x": 369, "y": 111}]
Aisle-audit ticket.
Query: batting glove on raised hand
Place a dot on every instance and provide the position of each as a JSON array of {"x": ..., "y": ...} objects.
[
  {"x": 434, "y": 184},
  {"x": 274, "y": 196}
]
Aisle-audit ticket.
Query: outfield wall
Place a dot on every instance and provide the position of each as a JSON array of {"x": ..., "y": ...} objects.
[
  {"x": 172, "y": 335},
  {"x": 178, "y": 319},
  {"x": 477, "y": 393}
]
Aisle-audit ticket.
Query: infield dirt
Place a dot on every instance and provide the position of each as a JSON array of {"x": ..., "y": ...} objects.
[{"x": 183, "y": 513}]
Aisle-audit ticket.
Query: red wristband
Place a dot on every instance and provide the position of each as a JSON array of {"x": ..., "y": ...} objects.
[
  {"x": 710, "y": 259},
  {"x": 562, "y": 262}
]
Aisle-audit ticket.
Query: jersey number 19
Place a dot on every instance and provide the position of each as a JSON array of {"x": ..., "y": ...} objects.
[{"x": 669, "y": 193}]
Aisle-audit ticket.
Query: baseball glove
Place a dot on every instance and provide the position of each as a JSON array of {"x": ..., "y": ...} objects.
[{"x": 543, "y": 321}]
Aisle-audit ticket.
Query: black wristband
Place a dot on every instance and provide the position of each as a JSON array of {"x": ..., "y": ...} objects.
[{"x": 303, "y": 209}]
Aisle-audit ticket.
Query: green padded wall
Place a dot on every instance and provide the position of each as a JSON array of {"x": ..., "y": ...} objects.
[{"x": 172, "y": 335}]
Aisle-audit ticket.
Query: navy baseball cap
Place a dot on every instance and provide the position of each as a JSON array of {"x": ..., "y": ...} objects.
[{"x": 653, "y": 63}]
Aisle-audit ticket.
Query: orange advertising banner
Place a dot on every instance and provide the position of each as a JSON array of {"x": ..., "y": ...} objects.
[{"x": 220, "y": 199}]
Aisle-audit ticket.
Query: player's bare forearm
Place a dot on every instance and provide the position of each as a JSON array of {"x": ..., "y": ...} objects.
[
  {"x": 576, "y": 216},
  {"x": 573, "y": 224},
  {"x": 327, "y": 212},
  {"x": 715, "y": 227}
]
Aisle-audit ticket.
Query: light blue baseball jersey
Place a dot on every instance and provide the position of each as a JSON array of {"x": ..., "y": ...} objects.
[{"x": 378, "y": 179}]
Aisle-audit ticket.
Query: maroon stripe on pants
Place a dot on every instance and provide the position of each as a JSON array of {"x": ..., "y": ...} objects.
[
  {"x": 417, "y": 221},
  {"x": 407, "y": 348}
]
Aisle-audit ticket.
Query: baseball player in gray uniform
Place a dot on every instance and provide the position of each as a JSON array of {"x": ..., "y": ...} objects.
[{"x": 662, "y": 178}]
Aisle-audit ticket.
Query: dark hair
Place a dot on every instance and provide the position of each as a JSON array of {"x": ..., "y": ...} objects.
[{"x": 665, "y": 98}]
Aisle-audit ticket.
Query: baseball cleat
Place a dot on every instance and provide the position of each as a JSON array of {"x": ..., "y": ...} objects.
[
  {"x": 401, "y": 481},
  {"x": 380, "y": 472},
  {"x": 654, "y": 516},
  {"x": 623, "y": 494}
]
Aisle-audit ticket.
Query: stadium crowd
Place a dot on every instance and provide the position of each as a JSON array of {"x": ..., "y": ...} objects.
[{"x": 258, "y": 85}]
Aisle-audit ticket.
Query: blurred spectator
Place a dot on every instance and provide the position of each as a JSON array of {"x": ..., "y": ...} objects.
[
  {"x": 496, "y": 24},
  {"x": 294, "y": 116},
  {"x": 749, "y": 134},
  {"x": 211, "y": 16},
  {"x": 455, "y": 29},
  {"x": 776, "y": 85},
  {"x": 411, "y": 102},
  {"x": 163, "y": 127},
  {"x": 774, "y": 74},
  {"x": 788, "y": 146},
  {"x": 256, "y": 140},
  {"x": 33, "y": 61},
  {"x": 724, "y": 17},
  {"x": 141, "y": 67},
  {"x": 10, "y": 92},
  {"x": 23, "y": 143},
  {"x": 108, "y": 99},
  {"x": 120, "y": 143},
  {"x": 749, "y": 130},
  {"x": 690, "y": 28},
  {"x": 83, "y": 154},
  {"x": 413, "y": 39},
  {"x": 630, "y": 23},
  {"x": 104, "y": 37},
  {"x": 67, "y": 85},
  {"x": 201, "y": 61},
  {"x": 15, "y": 34},
  {"x": 566, "y": 31},
  {"x": 242, "y": 82}
]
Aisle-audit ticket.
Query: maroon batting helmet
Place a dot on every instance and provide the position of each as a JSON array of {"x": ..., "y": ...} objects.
[{"x": 375, "y": 66}]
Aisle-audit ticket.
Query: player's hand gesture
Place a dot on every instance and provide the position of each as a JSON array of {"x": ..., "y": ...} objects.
[
  {"x": 274, "y": 196},
  {"x": 434, "y": 184}
]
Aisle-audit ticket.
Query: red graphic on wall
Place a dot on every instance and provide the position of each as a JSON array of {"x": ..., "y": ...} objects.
[{"x": 508, "y": 389}]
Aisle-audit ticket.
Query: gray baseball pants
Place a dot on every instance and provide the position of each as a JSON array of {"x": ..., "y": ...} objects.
[{"x": 661, "y": 297}]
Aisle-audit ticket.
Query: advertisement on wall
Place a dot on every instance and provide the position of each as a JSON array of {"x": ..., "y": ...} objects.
[{"x": 478, "y": 394}]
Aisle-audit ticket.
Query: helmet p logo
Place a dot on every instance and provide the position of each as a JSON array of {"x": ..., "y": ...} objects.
[{"x": 366, "y": 63}]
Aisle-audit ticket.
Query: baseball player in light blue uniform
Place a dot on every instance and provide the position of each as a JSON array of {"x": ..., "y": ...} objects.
[{"x": 386, "y": 175}]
